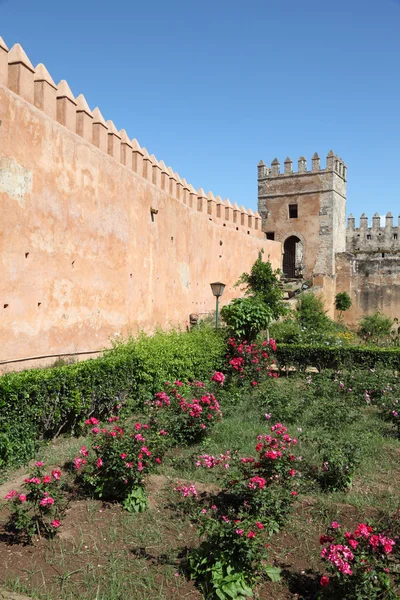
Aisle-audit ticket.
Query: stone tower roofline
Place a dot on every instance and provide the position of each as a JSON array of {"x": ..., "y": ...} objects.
[
  {"x": 375, "y": 238},
  {"x": 333, "y": 164},
  {"x": 36, "y": 86}
]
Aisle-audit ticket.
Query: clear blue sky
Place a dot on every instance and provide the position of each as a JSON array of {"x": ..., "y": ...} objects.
[{"x": 212, "y": 87}]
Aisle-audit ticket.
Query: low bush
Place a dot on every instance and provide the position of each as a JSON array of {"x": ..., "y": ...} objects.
[
  {"x": 42, "y": 403},
  {"x": 302, "y": 356},
  {"x": 118, "y": 458},
  {"x": 40, "y": 508},
  {"x": 185, "y": 413},
  {"x": 249, "y": 363}
]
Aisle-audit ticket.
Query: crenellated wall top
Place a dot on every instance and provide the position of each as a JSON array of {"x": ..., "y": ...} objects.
[
  {"x": 333, "y": 164},
  {"x": 36, "y": 86}
]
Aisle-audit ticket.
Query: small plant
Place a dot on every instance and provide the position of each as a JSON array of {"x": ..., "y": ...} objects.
[
  {"x": 342, "y": 303},
  {"x": 358, "y": 564},
  {"x": 136, "y": 501},
  {"x": 41, "y": 507},
  {"x": 311, "y": 313},
  {"x": 231, "y": 559},
  {"x": 246, "y": 317},
  {"x": 338, "y": 464}
]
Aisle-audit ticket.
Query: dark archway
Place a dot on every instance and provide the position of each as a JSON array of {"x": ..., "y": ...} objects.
[{"x": 293, "y": 257}]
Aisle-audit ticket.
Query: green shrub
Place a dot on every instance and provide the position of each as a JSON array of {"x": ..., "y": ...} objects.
[
  {"x": 246, "y": 317},
  {"x": 302, "y": 356},
  {"x": 42, "y": 403},
  {"x": 375, "y": 327},
  {"x": 311, "y": 314}
]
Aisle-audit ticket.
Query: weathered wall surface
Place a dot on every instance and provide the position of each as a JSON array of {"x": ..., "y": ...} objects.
[
  {"x": 320, "y": 196},
  {"x": 375, "y": 238},
  {"x": 97, "y": 241},
  {"x": 372, "y": 282}
]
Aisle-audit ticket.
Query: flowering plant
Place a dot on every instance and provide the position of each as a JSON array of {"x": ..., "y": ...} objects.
[
  {"x": 358, "y": 563},
  {"x": 263, "y": 486},
  {"x": 249, "y": 362},
  {"x": 185, "y": 412},
  {"x": 232, "y": 556},
  {"x": 118, "y": 458},
  {"x": 41, "y": 506}
]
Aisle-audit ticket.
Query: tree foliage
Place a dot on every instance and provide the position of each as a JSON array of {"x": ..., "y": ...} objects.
[{"x": 262, "y": 284}]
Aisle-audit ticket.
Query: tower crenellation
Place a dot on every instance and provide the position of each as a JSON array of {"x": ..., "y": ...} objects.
[{"x": 333, "y": 163}]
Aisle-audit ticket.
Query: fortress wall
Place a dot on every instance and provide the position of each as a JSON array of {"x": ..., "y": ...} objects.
[
  {"x": 372, "y": 281},
  {"x": 98, "y": 238}
]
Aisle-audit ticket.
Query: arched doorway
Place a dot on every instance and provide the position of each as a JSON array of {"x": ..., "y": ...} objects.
[{"x": 293, "y": 257}]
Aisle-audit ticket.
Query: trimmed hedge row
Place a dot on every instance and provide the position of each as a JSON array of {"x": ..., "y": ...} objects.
[
  {"x": 302, "y": 356},
  {"x": 41, "y": 403}
]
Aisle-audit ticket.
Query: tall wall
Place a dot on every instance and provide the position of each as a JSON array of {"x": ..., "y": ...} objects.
[
  {"x": 97, "y": 237},
  {"x": 320, "y": 197},
  {"x": 369, "y": 270}
]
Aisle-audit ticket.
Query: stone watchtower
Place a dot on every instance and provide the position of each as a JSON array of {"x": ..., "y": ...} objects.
[{"x": 306, "y": 211}]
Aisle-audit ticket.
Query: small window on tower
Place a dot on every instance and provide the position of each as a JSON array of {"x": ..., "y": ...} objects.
[
  {"x": 293, "y": 211},
  {"x": 270, "y": 235}
]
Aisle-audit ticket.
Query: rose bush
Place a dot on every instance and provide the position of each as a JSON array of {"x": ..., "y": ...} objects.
[
  {"x": 186, "y": 412},
  {"x": 41, "y": 507},
  {"x": 358, "y": 563}
]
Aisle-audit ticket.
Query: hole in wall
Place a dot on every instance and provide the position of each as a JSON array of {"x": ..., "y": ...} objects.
[
  {"x": 26, "y": 254},
  {"x": 237, "y": 228},
  {"x": 220, "y": 242},
  {"x": 39, "y": 304},
  {"x": 172, "y": 238},
  {"x": 248, "y": 232},
  {"x": 73, "y": 264},
  {"x": 130, "y": 275},
  {"x": 5, "y": 305},
  {"x": 224, "y": 224}
]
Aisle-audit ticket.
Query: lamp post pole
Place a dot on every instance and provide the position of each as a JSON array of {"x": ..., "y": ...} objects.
[{"x": 217, "y": 290}]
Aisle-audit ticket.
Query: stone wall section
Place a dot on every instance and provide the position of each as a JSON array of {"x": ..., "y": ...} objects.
[{"x": 98, "y": 237}]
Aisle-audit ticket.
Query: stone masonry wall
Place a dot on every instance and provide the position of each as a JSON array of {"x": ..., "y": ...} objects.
[
  {"x": 97, "y": 238},
  {"x": 372, "y": 281}
]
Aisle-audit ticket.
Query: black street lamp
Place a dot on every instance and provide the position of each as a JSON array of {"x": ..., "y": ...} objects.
[{"x": 217, "y": 289}]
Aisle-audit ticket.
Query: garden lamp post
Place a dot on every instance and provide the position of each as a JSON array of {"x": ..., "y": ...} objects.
[{"x": 217, "y": 289}]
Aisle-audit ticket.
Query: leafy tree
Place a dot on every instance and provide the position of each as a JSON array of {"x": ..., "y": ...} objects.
[
  {"x": 246, "y": 317},
  {"x": 342, "y": 303},
  {"x": 262, "y": 284}
]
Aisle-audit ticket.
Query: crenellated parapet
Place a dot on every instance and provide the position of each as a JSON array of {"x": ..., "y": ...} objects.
[
  {"x": 333, "y": 164},
  {"x": 36, "y": 86},
  {"x": 375, "y": 238}
]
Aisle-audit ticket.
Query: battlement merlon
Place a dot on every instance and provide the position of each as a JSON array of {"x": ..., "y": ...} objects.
[
  {"x": 36, "y": 86},
  {"x": 376, "y": 227},
  {"x": 333, "y": 164}
]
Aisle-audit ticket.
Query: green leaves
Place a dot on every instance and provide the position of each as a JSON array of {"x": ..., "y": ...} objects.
[
  {"x": 136, "y": 501},
  {"x": 246, "y": 317}
]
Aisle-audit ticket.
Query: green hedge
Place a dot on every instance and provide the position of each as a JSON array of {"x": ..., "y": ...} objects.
[
  {"x": 43, "y": 402},
  {"x": 322, "y": 357}
]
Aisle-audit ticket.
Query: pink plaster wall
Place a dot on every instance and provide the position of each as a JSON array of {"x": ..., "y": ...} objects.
[{"x": 81, "y": 259}]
